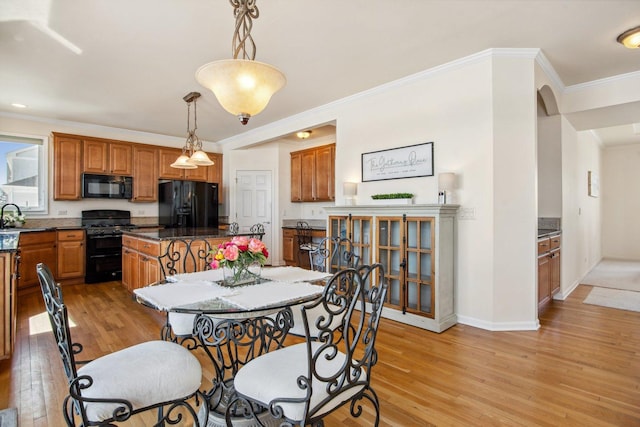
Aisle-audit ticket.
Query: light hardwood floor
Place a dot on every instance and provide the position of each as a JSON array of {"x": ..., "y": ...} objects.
[{"x": 581, "y": 368}]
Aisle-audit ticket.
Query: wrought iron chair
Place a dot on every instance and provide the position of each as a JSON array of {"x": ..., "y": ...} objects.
[
  {"x": 234, "y": 228},
  {"x": 320, "y": 257},
  {"x": 156, "y": 375},
  {"x": 332, "y": 254},
  {"x": 302, "y": 383},
  {"x": 257, "y": 231},
  {"x": 305, "y": 241},
  {"x": 183, "y": 256}
]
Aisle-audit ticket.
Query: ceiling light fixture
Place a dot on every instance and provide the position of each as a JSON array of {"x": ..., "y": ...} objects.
[
  {"x": 630, "y": 38},
  {"x": 18, "y": 105},
  {"x": 242, "y": 85},
  {"x": 192, "y": 155},
  {"x": 304, "y": 134}
]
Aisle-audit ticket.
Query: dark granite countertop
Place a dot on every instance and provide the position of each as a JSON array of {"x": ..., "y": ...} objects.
[{"x": 175, "y": 233}]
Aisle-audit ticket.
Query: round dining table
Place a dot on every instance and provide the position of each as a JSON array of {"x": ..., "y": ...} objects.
[{"x": 234, "y": 324}]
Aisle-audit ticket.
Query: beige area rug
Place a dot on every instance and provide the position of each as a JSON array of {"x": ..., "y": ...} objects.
[
  {"x": 614, "y": 298},
  {"x": 615, "y": 274}
]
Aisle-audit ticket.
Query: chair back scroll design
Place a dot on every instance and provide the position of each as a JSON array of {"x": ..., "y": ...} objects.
[
  {"x": 234, "y": 228},
  {"x": 185, "y": 256},
  {"x": 84, "y": 399},
  {"x": 257, "y": 231},
  {"x": 338, "y": 363}
]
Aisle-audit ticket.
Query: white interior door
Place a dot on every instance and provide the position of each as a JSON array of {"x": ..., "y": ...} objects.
[{"x": 253, "y": 199}]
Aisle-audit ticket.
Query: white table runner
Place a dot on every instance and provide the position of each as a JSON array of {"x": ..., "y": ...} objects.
[
  {"x": 269, "y": 293},
  {"x": 184, "y": 292}
]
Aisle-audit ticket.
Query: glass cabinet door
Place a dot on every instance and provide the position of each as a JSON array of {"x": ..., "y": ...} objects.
[
  {"x": 419, "y": 274},
  {"x": 389, "y": 238}
]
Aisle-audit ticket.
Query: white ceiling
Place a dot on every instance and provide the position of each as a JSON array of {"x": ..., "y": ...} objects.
[{"x": 127, "y": 64}]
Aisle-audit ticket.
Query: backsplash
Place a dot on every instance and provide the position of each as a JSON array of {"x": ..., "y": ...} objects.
[{"x": 549, "y": 223}]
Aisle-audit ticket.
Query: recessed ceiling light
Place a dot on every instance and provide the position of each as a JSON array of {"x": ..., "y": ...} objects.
[
  {"x": 630, "y": 38},
  {"x": 17, "y": 105}
]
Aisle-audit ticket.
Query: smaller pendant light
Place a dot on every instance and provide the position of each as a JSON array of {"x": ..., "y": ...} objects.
[{"x": 192, "y": 155}]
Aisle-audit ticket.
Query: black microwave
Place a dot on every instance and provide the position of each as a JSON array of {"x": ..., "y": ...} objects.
[{"x": 106, "y": 186}]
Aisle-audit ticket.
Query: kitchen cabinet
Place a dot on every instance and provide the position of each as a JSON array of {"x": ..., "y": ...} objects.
[
  {"x": 75, "y": 154},
  {"x": 291, "y": 253},
  {"x": 355, "y": 228},
  {"x": 35, "y": 247},
  {"x": 107, "y": 157},
  {"x": 201, "y": 173},
  {"x": 313, "y": 174},
  {"x": 145, "y": 173},
  {"x": 7, "y": 304},
  {"x": 67, "y": 167},
  {"x": 71, "y": 255},
  {"x": 140, "y": 265},
  {"x": 416, "y": 246},
  {"x": 548, "y": 268},
  {"x": 215, "y": 173}
]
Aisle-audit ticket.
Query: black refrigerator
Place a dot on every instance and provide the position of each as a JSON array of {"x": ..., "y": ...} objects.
[{"x": 187, "y": 204}]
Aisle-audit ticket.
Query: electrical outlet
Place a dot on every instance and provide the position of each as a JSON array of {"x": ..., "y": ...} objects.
[
  {"x": 140, "y": 211},
  {"x": 62, "y": 212},
  {"x": 467, "y": 214}
]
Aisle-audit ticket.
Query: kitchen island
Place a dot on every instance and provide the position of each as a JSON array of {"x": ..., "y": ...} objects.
[{"x": 142, "y": 247}]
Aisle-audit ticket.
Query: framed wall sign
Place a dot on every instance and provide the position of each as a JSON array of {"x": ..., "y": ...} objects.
[{"x": 404, "y": 162}]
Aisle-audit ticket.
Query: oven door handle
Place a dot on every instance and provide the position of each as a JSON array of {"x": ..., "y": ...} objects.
[
  {"x": 104, "y": 256},
  {"x": 104, "y": 237}
]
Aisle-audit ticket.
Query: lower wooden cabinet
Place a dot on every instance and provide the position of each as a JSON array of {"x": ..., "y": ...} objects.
[
  {"x": 291, "y": 253},
  {"x": 71, "y": 255},
  {"x": 140, "y": 265},
  {"x": 548, "y": 268},
  {"x": 139, "y": 262},
  {"x": 7, "y": 304},
  {"x": 35, "y": 247}
]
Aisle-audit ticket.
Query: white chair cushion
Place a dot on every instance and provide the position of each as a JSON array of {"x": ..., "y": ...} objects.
[
  {"x": 181, "y": 323},
  {"x": 144, "y": 374},
  {"x": 273, "y": 376},
  {"x": 308, "y": 246},
  {"x": 312, "y": 314}
]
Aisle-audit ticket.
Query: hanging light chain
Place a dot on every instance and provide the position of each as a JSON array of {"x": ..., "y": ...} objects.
[
  {"x": 193, "y": 143},
  {"x": 244, "y": 11}
]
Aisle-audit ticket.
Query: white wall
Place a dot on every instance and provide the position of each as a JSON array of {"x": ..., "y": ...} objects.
[
  {"x": 620, "y": 184},
  {"x": 549, "y": 165},
  {"x": 581, "y": 214}
]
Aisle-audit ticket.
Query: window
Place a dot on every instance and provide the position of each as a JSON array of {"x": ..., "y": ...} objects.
[{"x": 23, "y": 172}]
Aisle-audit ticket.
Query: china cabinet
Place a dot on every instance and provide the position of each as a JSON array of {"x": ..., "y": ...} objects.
[{"x": 416, "y": 246}]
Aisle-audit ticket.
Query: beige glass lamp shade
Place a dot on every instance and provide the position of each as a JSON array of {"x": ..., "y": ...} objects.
[
  {"x": 182, "y": 162},
  {"x": 242, "y": 86},
  {"x": 200, "y": 158}
]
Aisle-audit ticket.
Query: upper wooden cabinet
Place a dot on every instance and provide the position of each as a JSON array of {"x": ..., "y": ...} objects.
[
  {"x": 107, "y": 157},
  {"x": 313, "y": 174},
  {"x": 67, "y": 167},
  {"x": 211, "y": 173},
  {"x": 201, "y": 173},
  {"x": 145, "y": 171},
  {"x": 75, "y": 154}
]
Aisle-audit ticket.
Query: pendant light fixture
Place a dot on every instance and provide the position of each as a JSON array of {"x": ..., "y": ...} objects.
[
  {"x": 192, "y": 155},
  {"x": 242, "y": 85}
]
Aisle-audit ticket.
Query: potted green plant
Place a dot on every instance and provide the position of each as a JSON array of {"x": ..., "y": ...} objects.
[{"x": 393, "y": 198}]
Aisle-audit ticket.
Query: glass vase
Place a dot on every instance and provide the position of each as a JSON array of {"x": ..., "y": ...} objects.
[{"x": 241, "y": 274}]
